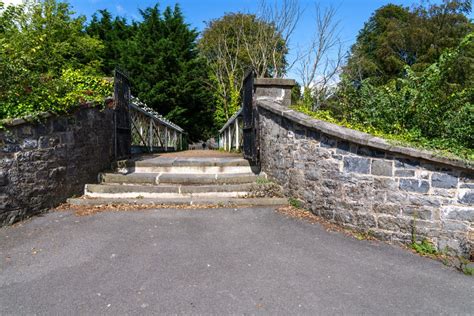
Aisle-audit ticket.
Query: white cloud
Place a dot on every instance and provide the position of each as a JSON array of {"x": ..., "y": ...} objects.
[
  {"x": 14, "y": 2},
  {"x": 119, "y": 8}
]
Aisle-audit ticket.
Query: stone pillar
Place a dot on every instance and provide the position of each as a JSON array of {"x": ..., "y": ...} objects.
[{"x": 278, "y": 90}]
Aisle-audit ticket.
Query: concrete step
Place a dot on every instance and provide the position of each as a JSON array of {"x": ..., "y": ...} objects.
[
  {"x": 190, "y": 165},
  {"x": 179, "y": 201},
  {"x": 177, "y": 178},
  {"x": 227, "y": 178},
  {"x": 165, "y": 191},
  {"x": 182, "y": 180},
  {"x": 137, "y": 178}
]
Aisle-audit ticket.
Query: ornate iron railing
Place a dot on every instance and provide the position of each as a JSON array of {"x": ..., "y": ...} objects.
[{"x": 151, "y": 132}]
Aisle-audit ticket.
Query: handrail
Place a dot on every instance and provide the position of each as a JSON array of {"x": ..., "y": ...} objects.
[
  {"x": 138, "y": 105},
  {"x": 231, "y": 120},
  {"x": 230, "y": 135},
  {"x": 152, "y": 131}
]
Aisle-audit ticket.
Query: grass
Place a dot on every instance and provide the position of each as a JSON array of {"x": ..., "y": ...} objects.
[
  {"x": 233, "y": 151},
  {"x": 295, "y": 203},
  {"x": 425, "y": 247},
  {"x": 262, "y": 180},
  {"x": 468, "y": 271}
]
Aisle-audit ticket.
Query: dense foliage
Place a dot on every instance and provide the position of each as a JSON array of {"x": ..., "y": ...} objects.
[
  {"x": 51, "y": 61},
  {"x": 160, "y": 56},
  {"x": 410, "y": 78},
  {"x": 47, "y": 62},
  {"x": 114, "y": 34},
  {"x": 397, "y": 36}
]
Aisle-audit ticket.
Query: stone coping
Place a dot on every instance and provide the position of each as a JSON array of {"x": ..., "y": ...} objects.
[
  {"x": 42, "y": 115},
  {"x": 278, "y": 82},
  {"x": 26, "y": 119},
  {"x": 361, "y": 138}
]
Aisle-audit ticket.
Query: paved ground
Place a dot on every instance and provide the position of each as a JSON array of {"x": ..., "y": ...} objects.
[{"x": 214, "y": 261}]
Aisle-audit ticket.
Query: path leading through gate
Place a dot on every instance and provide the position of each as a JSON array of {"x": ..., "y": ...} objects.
[{"x": 203, "y": 177}]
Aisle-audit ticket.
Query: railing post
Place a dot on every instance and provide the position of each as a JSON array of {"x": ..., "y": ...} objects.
[
  {"x": 229, "y": 134},
  {"x": 175, "y": 140},
  {"x": 224, "y": 134},
  {"x": 166, "y": 138},
  {"x": 141, "y": 133},
  {"x": 158, "y": 133},
  {"x": 223, "y": 139},
  {"x": 150, "y": 135},
  {"x": 236, "y": 133}
]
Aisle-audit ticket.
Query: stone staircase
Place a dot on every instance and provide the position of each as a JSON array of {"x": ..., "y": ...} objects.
[{"x": 222, "y": 181}]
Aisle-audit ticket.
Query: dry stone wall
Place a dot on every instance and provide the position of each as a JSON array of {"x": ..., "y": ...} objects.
[
  {"x": 42, "y": 164},
  {"x": 375, "y": 189}
]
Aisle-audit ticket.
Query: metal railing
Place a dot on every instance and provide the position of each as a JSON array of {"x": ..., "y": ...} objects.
[
  {"x": 151, "y": 132},
  {"x": 230, "y": 136}
]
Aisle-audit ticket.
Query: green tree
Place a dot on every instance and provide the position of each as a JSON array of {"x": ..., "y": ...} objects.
[
  {"x": 233, "y": 44},
  {"x": 45, "y": 37},
  {"x": 43, "y": 52},
  {"x": 114, "y": 33},
  {"x": 410, "y": 77},
  {"x": 433, "y": 108},
  {"x": 396, "y": 36},
  {"x": 166, "y": 72}
]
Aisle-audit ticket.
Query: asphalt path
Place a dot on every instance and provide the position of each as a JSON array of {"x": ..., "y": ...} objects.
[{"x": 214, "y": 261}]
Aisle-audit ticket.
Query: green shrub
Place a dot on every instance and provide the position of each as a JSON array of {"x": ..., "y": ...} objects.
[
  {"x": 295, "y": 202},
  {"x": 56, "y": 95},
  {"x": 47, "y": 62},
  {"x": 425, "y": 247},
  {"x": 433, "y": 109}
]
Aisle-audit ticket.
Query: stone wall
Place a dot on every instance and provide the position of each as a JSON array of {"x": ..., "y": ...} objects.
[
  {"x": 42, "y": 164},
  {"x": 367, "y": 184}
]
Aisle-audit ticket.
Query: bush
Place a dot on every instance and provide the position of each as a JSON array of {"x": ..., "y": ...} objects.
[
  {"x": 433, "y": 109},
  {"x": 47, "y": 62},
  {"x": 48, "y": 94}
]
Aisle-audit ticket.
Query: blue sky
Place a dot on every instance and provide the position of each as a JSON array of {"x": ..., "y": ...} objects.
[{"x": 351, "y": 13}]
